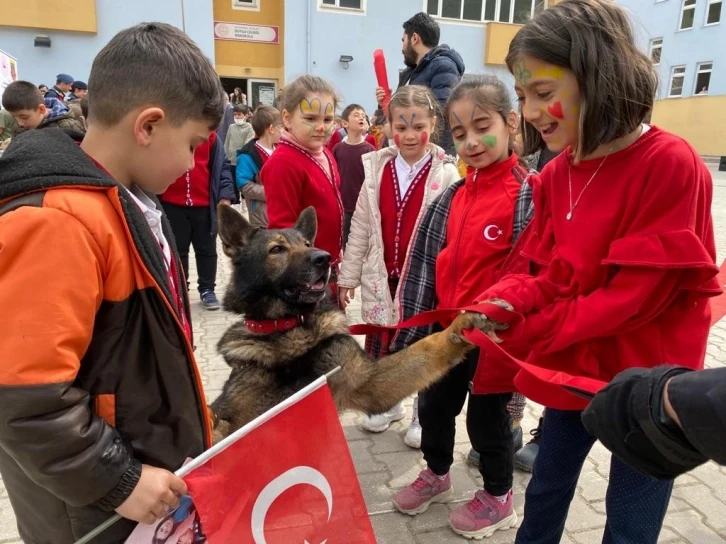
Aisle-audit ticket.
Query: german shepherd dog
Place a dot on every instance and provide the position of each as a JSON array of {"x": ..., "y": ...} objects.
[{"x": 279, "y": 275}]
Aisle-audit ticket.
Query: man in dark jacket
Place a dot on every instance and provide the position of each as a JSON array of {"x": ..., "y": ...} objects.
[
  {"x": 429, "y": 64},
  {"x": 191, "y": 203},
  {"x": 63, "y": 84},
  {"x": 662, "y": 421}
]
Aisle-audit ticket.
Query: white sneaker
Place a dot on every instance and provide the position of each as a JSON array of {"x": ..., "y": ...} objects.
[
  {"x": 413, "y": 434},
  {"x": 378, "y": 423}
]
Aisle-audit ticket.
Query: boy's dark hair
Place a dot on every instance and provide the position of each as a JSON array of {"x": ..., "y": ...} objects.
[
  {"x": 84, "y": 107},
  {"x": 154, "y": 64},
  {"x": 240, "y": 108},
  {"x": 350, "y": 108},
  {"x": 594, "y": 40},
  {"x": 264, "y": 118},
  {"x": 425, "y": 26},
  {"x": 490, "y": 94},
  {"x": 21, "y": 95},
  {"x": 42, "y": 85}
]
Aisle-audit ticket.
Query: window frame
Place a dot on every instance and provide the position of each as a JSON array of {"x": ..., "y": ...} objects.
[
  {"x": 652, "y": 46},
  {"x": 684, "y": 8},
  {"x": 709, "y": 3},
  {"x": 700, "y": 70},
  {"x": 337, "y": 8},
  {"x": 673, "y": 76},
  {"x": 497, "y": 12},
  {"x": 253, "y": 5}
]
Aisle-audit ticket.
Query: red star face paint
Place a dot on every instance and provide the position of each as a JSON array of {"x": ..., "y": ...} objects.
[
  {"x": 555, "y": 110},
  {"x": 424, "y": 138}
]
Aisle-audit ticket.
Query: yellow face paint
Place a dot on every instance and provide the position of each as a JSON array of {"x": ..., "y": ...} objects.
[
  {"x": 552, "y": 72},
  {"x": 329, "y": 109},
  {"x": 310, "y": 106}
]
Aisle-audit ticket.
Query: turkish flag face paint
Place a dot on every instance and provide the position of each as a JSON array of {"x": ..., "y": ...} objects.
[{"x": 555, "y": 110}]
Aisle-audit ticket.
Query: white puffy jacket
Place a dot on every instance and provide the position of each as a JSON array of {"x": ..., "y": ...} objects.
[{"x": 363, "y": 263}]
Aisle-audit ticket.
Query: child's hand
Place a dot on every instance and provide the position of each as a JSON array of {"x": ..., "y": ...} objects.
[
  {"x": 225, "y": 201},
  {"x": 345, "y": 295},
  {"x": 156, "y": 492}
]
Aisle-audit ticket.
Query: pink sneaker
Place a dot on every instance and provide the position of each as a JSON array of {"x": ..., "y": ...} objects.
[
  {"x": 424, "y": 491},
  {"x": 483, "y": 516}
]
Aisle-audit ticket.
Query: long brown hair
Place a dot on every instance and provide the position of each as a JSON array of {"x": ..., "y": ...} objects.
[{"x": 594, "y": 40}]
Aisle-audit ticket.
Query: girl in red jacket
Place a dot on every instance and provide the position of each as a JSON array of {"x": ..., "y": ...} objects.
[
  {"x": 624, "y": 234},
  {"x": 302, "y": 172},
  {"x": 462, "y": 243}
]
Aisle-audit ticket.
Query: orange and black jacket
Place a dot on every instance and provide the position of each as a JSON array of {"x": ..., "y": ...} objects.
[{"x": 96, "y": 373}]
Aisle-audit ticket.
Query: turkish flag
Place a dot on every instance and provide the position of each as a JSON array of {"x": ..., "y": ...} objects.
[{"x": 286, "y": 477}]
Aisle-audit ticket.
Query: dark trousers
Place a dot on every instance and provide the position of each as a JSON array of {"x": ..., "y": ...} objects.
[
  {"x": 193, "y": 226},
  {"x": 487, "y": 421},
  {"x": 347, "y": 218},
  {"x": 636, "y": 504}
]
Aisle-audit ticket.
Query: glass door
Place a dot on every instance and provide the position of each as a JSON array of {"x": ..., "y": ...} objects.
[{"x": 261, "y": 91}]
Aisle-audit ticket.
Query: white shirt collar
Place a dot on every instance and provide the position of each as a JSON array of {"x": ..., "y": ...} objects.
[
  {"x": 402, "y": 167},
  {"x": 153, "y": 215}
]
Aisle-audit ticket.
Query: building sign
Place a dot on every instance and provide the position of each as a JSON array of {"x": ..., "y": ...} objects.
[
  {"x": 8, "y": 70},
  {"x": 246, "y": 33},
  {"x": 267, "y": 96}
]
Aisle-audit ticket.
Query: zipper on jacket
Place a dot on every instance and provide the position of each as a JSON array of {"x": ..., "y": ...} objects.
[{"x": 457, "y": 244}]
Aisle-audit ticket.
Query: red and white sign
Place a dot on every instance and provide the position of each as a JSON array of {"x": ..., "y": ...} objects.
[
  {"x": 286, "y": 477},
  {"x": 246, "y": 33}
]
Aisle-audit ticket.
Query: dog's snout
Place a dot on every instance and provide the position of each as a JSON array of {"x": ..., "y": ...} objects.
[{"x": 320, "y": 258}]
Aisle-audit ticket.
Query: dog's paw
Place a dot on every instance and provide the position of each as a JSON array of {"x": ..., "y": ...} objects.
[{"x": 467, "y": 320}]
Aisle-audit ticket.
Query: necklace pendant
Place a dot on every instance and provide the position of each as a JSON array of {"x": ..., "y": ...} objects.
[{"x": 569, "y": 216}]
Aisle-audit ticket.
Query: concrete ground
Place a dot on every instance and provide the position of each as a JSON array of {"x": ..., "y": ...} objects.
[{"x": 697, "y": 513}]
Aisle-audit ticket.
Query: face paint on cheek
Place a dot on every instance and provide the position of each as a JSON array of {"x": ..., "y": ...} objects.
[
  {"x": 424, "y": 138},
  {"x": 397, "y": 140},
  {"x": 457, "y": 146},
  {"x": 489, "y": 140},
  {"x": 555, "y": 110},
  {"x": 328, "y": 130},
  {"x": 311, "y": 127}
]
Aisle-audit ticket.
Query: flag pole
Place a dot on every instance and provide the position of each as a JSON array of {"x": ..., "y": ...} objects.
[{"x": 217, "y": 448}]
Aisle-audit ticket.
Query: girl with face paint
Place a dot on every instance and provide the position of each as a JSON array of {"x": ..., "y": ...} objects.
[
  {"x": 400, "y": 183},
  {"x": 624, "y": 234},
  {"x": 464, "y": 243},
  {"x": 302, "y": 172}
]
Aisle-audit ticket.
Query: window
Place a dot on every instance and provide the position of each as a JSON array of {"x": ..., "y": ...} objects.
[
  {"x": 688, "y": 12},
  {"x": 703, "y": 77},
  {"x": 250, "y": 5},
  {"x": 344, "y": 4},
  {"x": 713, "y": 12},
  {"x": 504, "y": 11},
  {"x": 656, "y": 47},
  {"x": 678, "y": 75}
]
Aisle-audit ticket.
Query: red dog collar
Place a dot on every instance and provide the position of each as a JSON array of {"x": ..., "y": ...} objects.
[{"x": 270, "y": 326}]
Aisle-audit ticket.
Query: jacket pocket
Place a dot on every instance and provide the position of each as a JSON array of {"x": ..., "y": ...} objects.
[{"x": 105, "y": 407}]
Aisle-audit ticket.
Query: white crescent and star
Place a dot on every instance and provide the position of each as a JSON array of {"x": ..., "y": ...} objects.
[
  {"x": 300, "y": 475},
  {"x": 492, "y": 233}
]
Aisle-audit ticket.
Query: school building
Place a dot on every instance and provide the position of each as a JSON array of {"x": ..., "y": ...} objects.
[{"x": 258, "y": 45}]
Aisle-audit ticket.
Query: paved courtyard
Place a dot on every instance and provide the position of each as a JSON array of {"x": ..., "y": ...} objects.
[{"x": 697, "y": 513}]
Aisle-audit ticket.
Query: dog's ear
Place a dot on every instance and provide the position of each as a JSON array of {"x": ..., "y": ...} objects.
[
  {"x": 234, "y": 230},
  {"x": 307, "y": 223}
]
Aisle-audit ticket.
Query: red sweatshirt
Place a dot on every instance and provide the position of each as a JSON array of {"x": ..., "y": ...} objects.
[
  {"x": 478, "y": 242},
  {"x": 626, "y": 281},
  {"x": 294, "y": 180},
  {"x": 478, "y": 234},
  {"x": 194, "y": 189}
]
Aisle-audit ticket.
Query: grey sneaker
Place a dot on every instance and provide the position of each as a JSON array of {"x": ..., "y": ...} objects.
[
  {"x": 517, "y": 438},
  {"x": 209, "y": 300},
  {"x": 524, "y": 458}
]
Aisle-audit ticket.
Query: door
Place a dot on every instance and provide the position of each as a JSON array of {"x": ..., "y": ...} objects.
[{"x": 261, "y": 91}]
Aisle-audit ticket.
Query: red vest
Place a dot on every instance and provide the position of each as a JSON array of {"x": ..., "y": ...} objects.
[{"x": 399, "y": 214}]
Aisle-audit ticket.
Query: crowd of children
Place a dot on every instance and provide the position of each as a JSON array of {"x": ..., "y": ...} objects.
[{"x": 609, "y": 269}]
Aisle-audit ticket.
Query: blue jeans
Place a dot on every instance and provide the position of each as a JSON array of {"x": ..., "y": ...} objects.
[{"x": 636, "y": 504}]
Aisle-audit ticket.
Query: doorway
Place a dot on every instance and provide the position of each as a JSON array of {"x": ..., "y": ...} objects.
[{"x": 230, "y": 83}]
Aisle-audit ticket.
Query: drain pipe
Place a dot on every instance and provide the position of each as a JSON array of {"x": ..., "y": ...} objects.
[{"x": 309, "y": 44}]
